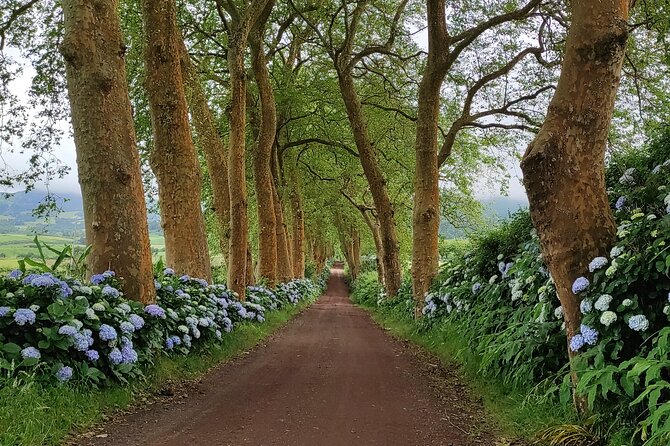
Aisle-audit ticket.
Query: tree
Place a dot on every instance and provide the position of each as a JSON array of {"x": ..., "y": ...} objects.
[
  {"x": 173, "y": 159},
  {"x": 107, "y": 158},
  {"x": 444, "y": 50},
  {"x": 211, "y": 144},
  {"x": 263, "y": 179},
  {"x": 238, "y": 27},
  {"x": 563, "y": 167}
]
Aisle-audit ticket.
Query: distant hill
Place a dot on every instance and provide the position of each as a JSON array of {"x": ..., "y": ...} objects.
[
  {"x": 16, "y": 215},
  {"x": 494, "y": 210}
]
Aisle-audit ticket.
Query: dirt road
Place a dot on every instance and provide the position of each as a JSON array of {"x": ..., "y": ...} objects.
[{"x": 331, "y": 377}]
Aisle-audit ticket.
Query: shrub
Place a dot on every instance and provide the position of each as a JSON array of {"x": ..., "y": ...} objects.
[{"x": 60, "y": 329}]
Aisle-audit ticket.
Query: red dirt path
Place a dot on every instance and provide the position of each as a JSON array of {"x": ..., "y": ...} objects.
[{"x": 331, "y": 377}]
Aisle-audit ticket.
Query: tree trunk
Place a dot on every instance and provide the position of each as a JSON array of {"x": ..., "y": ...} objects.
[
  {"x": 379, "y": 248},
  {"x": 173, "y": 159},
  {"x": 426, "y": 206},
  {"x": 298, "y": 224},
  {"x": 284, "y": 262},
  {"x": 208, "y": 139},
  {"x": 564, "y": 166},
  {"x": 108, "y": 162},
  {"x": 267, "y": 232},
  {"x": 237, "y": 181},
  {"x": 376, "y": 182}
]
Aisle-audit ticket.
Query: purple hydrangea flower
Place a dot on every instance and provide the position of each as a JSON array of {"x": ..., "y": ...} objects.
[
  {"x": 580, "y": 284},
  {"x": 23, "y": 316},
  {"x": 97, "y": 279},
  {"x": 30, "y": 353},
  {"x": 64, "y": 373},
  {"x": 115, "y": 356},
  {"x": 576, "y": 343},
  {"x": 110, "y": 292},
  {"x": 92, "y": 355},
  {"x": 5, "y": 310},
  {"x": 107, "y": 333},
  {"x": 137, "y": 321},
  {"x": 589, "y": 334},
  {"x": 155, "y": 311},
  {"x": 620, "y": 203}
]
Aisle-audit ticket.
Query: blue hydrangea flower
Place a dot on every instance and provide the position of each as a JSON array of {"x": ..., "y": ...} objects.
[
  {"x": 589, "y": 334},
  {"x": 217, "y": 333},
  {"x": 107, "y": 333},
  {"x": 202, "y": 282},
  {"x": 64, "y": 373},
  {"x": 155, "y": 311},
  {"x": 579, "y": 285},
  {"x": 4, "y": 311},
  {"x": 169, "y": 344},
  {"x": 108, "y": 274},
  {"x": 14, "y": 274},
  {"x": 476, "y": 287},
  {"x": 115, "y": 356},
  {"x": 128, "y": 354},
  {"x": 187, "y": 340},
  {"x": 137, "y": 321},
  {"x": 110, "y": 291},
  {"x": 168, "y": 272},
  {"x": 638, "y": 322},
  {"x": 185, "y": 278},
  {"x": 82, "y": 342},
  {"x": 67, "y": 330},
  {"x": 30, "y": 353},
  {"x": 157, "y": 284},
  {"x": 603, "y": 302},
  {"x": 126, "y": 327},
  {"x": 620, "y": 203},
  {"x": 23, "y": 316},
  {"x": 576, "y": 343},
  {"x": 176, "y": 340},
  {"x": 92, "y": 355},
  {"x": 597, "y": 263},
  {"x": 97, "y": 279},
  {"x": 585, "y": 306}
]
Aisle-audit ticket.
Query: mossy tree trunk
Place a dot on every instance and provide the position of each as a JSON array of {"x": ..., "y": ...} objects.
[
  {"x": 563, "y": 167},
  {"x": 108, "y": 162},
  {"x": 174, "y": 159}
]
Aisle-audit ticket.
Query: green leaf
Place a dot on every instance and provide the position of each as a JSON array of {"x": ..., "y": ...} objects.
[
  {"x": 11, "y": 348},
  {"x": 44, "y": 344},
  {"x": 57, "y": 310}
]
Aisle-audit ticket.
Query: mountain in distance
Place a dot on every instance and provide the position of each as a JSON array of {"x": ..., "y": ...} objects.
[
  {"x": 16, "y": 214},
  {"x": 494, "y": 210}
]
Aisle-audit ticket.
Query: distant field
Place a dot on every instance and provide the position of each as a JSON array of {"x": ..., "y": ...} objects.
[{"x": 18, "y": 246}]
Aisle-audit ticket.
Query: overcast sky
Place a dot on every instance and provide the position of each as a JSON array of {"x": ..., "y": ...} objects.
[{"x": 66, "y": 151}]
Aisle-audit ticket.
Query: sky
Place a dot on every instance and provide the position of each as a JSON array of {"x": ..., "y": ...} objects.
[{"x": 66, "y": 150}]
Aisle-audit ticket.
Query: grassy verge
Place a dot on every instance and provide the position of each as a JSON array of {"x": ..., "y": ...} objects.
[
  {"x": 35, "y": 415},
  {"x": 517, "y": 414}
]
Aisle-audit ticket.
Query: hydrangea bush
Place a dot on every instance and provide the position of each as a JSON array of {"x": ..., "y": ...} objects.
[
  {"x": 503, "y": 301},
  {"x": 60, "y": 329}
]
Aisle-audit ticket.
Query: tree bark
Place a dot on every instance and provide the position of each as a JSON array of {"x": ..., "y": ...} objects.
[
  {"x": 267, "y": 237},
  {"x": 173, "y": 159},
  {"x": 375, "y": 180},
  {"x": 284, "y": 262},
  {"x": 426, "y": 206},
  {"x": 564, "y": 165},
  {"x": 108, "y": 162},
  {"x": 298, "y": 223},
  {"x": 379, "y": 248},
  {"x": 210, "y": 142}
]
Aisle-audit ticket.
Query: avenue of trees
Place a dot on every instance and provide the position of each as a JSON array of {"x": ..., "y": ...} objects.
[{"x": 273, "y": 134}]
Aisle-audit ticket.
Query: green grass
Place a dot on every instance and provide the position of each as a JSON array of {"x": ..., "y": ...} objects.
[
  {"x": 36, "y": 415},
  {"x": 515, "y": 413}
]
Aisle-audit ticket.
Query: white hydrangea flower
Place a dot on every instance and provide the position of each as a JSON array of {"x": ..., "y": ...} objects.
[
  {"x": 35, "y": 308},
  {"x": 530, "y": 279},
  {"x": 627, "y": 303},
  {"x": 493, "y": 279},
  {"x": 603, "y": 302},
  {"x": 558, "y": 312},
  {"x": 90, "y": 314},
  {"x": 517, "y": 295},
  {"x": 616, "y": 251},
  {"x": 611, "y": 270},
  {"x": 666, "y": 310},
  {"x": 607, "y": 318},
  {"x": 98, "y": 307},
  {"x": 183, "y": 328}
]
